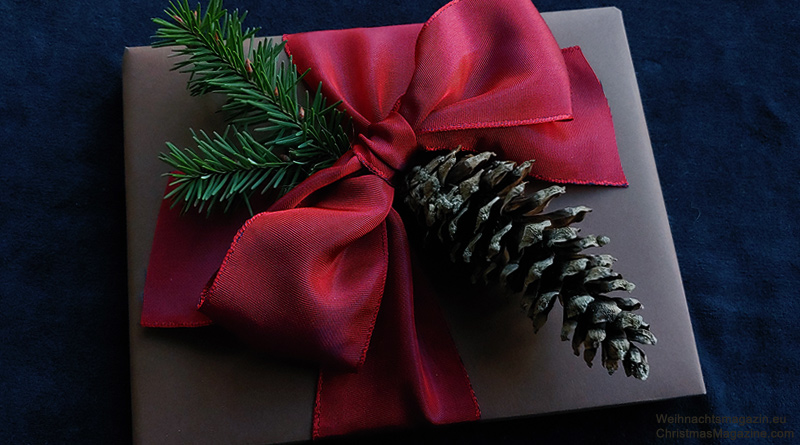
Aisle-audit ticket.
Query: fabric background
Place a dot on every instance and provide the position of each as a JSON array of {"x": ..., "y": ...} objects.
[{"x": 720, "y": 89}]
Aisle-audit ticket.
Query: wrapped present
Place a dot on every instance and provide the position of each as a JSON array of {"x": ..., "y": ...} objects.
[{"x": 206, "y": 385}]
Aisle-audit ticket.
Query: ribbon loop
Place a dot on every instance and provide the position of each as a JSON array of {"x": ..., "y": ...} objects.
[
  {"x": 486, "y": 76},
  {"x": 315, "y": 300},
  {"x": 482, "y": 65}
]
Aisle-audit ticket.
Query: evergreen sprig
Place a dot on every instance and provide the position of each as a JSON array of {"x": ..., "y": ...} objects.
[{"x": 274, "y": 141}]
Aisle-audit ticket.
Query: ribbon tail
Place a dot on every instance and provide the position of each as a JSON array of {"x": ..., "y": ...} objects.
[
  {"x": 186, "y": 251},
  {"x": 413, "y": 373}
]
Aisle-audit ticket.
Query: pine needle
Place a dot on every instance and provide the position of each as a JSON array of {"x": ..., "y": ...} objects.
[{"x": 273, "y": 141}]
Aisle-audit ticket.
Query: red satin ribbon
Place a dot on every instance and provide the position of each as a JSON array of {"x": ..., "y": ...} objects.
[{"x": 326, "y": 273}]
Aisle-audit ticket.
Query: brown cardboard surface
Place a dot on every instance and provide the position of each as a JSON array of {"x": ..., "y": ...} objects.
[{"x": 199, "y": 385}]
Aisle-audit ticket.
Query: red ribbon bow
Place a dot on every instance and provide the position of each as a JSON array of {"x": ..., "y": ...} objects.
[{"x": 326, "y": 273}]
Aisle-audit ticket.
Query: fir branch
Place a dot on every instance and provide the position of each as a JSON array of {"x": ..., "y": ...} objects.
[
  {"x": 281, "y": 141},
  {"x": 225, "y": 168}
]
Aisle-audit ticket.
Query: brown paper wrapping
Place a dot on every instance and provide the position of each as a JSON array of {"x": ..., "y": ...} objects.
[{"x": 200, "y": 385}]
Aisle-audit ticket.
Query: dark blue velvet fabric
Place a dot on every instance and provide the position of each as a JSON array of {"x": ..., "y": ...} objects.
[{"x": 720, "y": 81}]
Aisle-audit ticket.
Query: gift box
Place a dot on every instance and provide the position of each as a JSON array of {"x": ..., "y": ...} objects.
[{"x": 205, "y": 386}]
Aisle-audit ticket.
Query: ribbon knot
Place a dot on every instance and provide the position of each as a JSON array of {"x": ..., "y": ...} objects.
[
  {"x": 326, "y": 274},
  {"x": 387, "y": 145}
]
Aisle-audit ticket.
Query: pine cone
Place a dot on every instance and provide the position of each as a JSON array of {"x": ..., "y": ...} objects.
[{"x": 491, "y": 220}]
